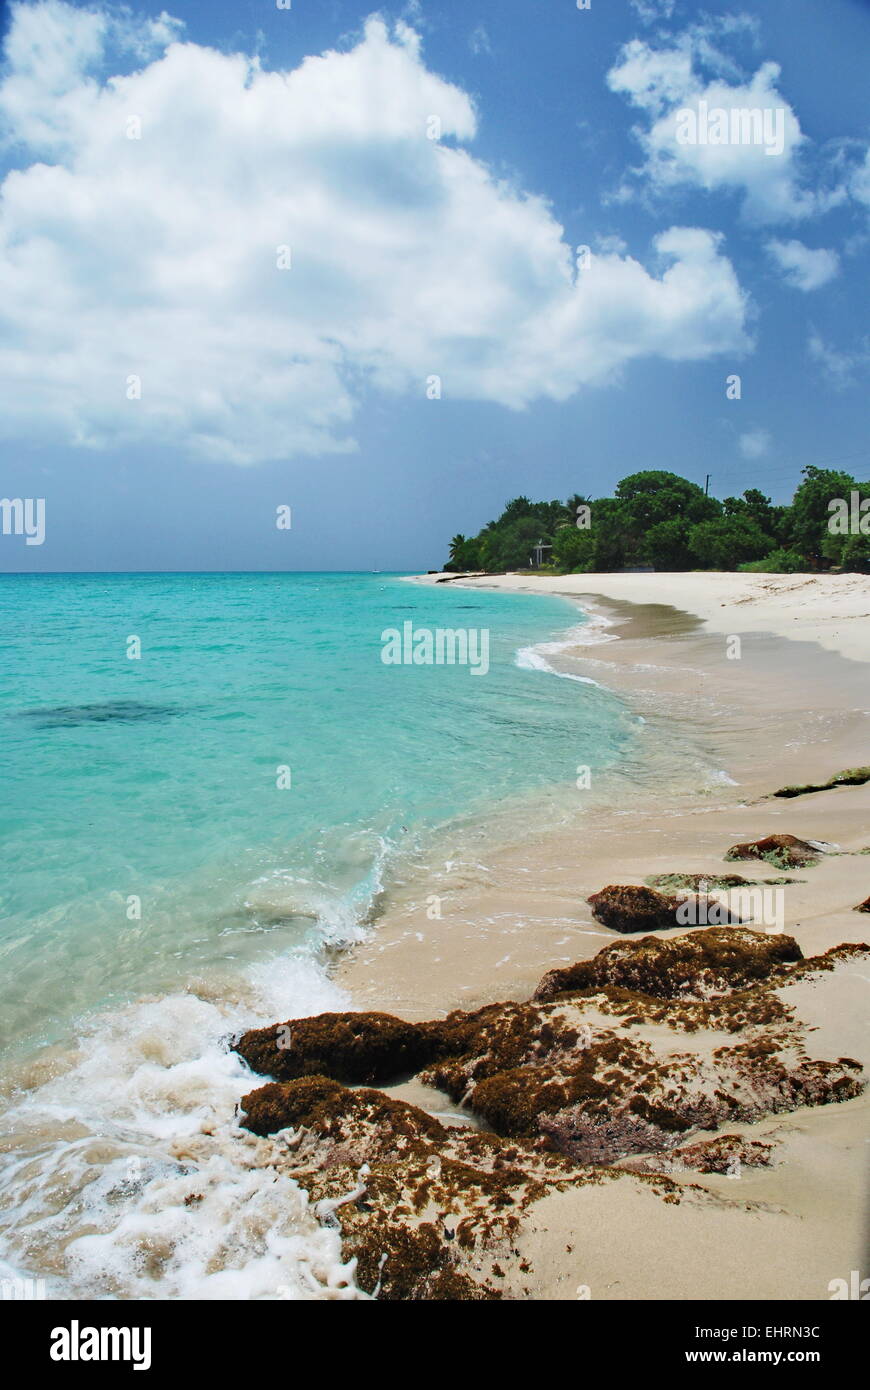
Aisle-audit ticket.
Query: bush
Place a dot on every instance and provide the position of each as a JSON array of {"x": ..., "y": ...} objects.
[
  {"x": 729, "y": 541},
  {"x": 778, "y": 562},
  {"x": 855, "y": 555}
]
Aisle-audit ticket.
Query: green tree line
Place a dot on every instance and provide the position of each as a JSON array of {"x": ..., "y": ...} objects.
[{"x": 659, "y": 519}]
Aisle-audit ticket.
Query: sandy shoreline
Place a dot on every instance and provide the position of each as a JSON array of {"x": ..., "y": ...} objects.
[
  {"x": 784, "y": 712},
  {"x": 831, "y": 610}
]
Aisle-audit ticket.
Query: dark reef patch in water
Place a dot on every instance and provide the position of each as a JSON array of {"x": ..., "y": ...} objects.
[{"x": 103, "y": 712}]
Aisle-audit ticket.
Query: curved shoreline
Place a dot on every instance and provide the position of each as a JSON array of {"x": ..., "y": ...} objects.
[
  {"x": 831, "y": 609},
  {"x": 774, "y": 717},
  {"x": 766, "y": 720}
]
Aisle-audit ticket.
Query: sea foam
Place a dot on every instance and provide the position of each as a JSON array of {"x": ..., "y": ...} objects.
[{"x": 130, "y": 1177}]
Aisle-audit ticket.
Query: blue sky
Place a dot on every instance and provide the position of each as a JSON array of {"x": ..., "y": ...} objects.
[{"x": 150, "y": 251}]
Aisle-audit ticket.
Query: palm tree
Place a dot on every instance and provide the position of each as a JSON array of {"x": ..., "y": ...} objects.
[{"x": 456, "y": 547}]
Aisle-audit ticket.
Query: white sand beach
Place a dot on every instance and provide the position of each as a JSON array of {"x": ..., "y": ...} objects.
[{"x": 832, "y": 610}]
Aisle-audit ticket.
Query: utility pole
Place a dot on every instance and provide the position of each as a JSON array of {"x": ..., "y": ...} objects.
[{"x": 707, "y": 486}]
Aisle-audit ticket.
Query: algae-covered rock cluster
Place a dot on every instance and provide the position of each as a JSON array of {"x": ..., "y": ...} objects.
[
  {"x": 850, "y": 777},
  {"x": 424, "y": 1209},
  {"x": 785, "y": 851},
  {"x": 627, "y": 1067},
  {"x": 697, "y": 966},
  {"x": 708, "y": 883},
  {"x": 627, "y": 908}
]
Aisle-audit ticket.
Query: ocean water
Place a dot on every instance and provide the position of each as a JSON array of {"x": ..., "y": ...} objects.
[{"x": 185, "y": 834}]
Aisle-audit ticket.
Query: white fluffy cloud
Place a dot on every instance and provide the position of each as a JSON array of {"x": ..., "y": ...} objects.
[
  {"x": 754, "y": 444},
  {"x": 803, "y": 267},
  {"x": 690, "y": 73},
  {"x": 157, "y": 257}
]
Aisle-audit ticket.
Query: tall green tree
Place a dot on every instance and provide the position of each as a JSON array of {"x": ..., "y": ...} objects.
[
  {"x": 657, "y": 511},
  {"x": 810, "y": 510},
  {"x": 457, "y": 545},
  {"x": 464, "y": 554},
  {"x": 574, "y": 550},
  {"x": 510, "y": 547}
]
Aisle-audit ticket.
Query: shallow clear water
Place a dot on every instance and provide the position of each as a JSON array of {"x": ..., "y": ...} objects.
[
  {"x": 156, "y": 778},
  {"x": 150, "y": 785}
]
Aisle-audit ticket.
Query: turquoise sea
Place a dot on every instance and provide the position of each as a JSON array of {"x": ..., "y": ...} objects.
[{"x": 208, "y": 778}]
